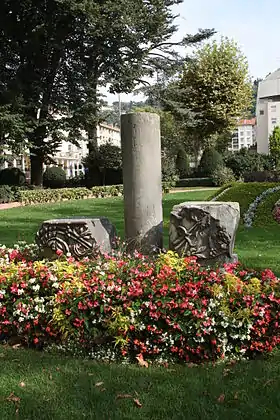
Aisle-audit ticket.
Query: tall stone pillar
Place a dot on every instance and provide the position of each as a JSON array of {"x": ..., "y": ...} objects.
[{"x": 141, "y": 153}]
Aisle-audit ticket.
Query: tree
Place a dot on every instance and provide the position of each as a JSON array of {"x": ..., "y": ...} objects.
[
  {"x": 60, "y": 52},
  {"x": 99, "y": 161},
  {"x": 274, "y": 146},
  {"x": 213, "y": 91},
  {"x": 252, "y": 109}
]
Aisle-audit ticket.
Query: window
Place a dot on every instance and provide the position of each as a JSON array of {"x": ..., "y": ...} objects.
[
  {"x": 273, "y": 120},
  {"x": 261, "y": 112},
  {"x": 273, "y": 108},
  {"x": 241, "y": 133},
  {"x": 69, "y": 147}
]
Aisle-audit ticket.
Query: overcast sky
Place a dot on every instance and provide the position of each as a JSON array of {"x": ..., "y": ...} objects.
[{"x": 254, "y": 24}]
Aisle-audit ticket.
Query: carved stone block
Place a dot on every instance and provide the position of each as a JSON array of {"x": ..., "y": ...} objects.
[
  {"x": 81, "y": 237},
  {"x": 204, "y": 229}
]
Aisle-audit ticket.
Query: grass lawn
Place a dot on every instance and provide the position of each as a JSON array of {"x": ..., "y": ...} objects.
[
  {"x": 54, "y": 387},
  {"x": 257, "y": 247}
]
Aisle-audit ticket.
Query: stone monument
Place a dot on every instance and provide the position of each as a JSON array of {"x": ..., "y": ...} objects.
[
  {"x": 141, "y": 153},
  {"x": 81, "y": 237},
  {"x": 204, "y": 229}
]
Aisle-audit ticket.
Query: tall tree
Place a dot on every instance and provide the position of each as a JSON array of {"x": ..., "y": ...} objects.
[
  {"x": 62, "y": 51},
  {"x": 274, "y": 146},
  {"x": 213, "y": 91}
]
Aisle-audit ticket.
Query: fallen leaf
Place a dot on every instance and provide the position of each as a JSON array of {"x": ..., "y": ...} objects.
[
  {"x": 91, "y": 374},
  {"x": 103, "y": 389},
  {"x": 121, "y": 396},
  {"x": 2, "y": 355},
  {"x": 99, "y": 384},
  {"x": 22, "y": 384},
  {"x": 221, "y": 398},
  {"x": 58, "y": 369},
  {"x": 16, "y": 346},
  {"x": 13, "y": 398},
  {"x": 232, "y": 362},
  {"x": 191, "y": 365},
  {"x": 236, "y": 396},
  {"x": 141, "y": 361},
  {"x": 50, "y": 377},
  {"x": 137, "y": 403},
  {"x": 17, "y": 412}
]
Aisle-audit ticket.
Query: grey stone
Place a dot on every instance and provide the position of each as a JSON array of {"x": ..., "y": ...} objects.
[
  {"x": 204, "y": 229},
  {"x": 141, "y": 153},
  {"x": 79, "y": 236}
]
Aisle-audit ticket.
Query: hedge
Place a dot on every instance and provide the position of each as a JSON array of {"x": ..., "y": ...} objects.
[
  {"x": 163, "y": 309},
  {"x": 194, "y": 182},
  {"x": 40, "y": 195},
  {"x": 243, "y": 193}
]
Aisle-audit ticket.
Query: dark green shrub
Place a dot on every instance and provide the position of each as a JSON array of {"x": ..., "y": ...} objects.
[
  {"x": 243, "y": 162},
  {"x": 182, "y": 164},
  {"x": 54, "y": 177},
  {"x": 12, "y": 176},
  {"x": 222, "y": 175},
  {"x": 262, "y": 176},
  {"x": 210, "y": 161},
  {"x": 194, "y": 182},
  {"x": 7, "y": 194},
  {"x": 168, "y": 169}
]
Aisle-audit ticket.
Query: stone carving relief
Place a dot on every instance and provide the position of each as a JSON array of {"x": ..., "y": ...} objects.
[
  {"x": 75, "y": 239},
  {"x": 194, "y": 232},
  {"x": 79, "y": 237}
]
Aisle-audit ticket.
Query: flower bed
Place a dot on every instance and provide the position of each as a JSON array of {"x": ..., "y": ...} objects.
[{"x": 120, "y": 307}]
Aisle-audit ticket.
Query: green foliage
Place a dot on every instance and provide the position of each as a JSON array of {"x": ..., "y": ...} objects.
[
  {"x": 244, "y": 194},
  {"x": 222, "y": 175},
  {"x": 264, "y": 214},
  {"x": 107, "y": 158},
  {"x": 12, "y": 176},
  {"x": 54, "y": 177},
  {"x": 168, "y": 169},
  {"x": 61, "y": 194},
  {"x": 210, "y": 161},
  {"x": 182, "y": 163},
  {"x": 274, "y": 146},
  {"x": 7, "y": 195},
  {"x": 244, "y": 161},
  {"x": 262, "y": 176},
  {"x": 194, "y": 182},
  {"x": 56, "y": 55}
]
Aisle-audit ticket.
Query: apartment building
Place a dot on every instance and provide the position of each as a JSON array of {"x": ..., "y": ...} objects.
[
  {"x": 268, "y": 110},
  {"x": 244, "y": 136},
  {"x": 69, "y": 156}
]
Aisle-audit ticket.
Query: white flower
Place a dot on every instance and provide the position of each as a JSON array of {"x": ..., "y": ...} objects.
[
  {"x": 32, "y": 280},
  {"x": 21, "y": 319},
  {"x": 20, "y": 291},
  {"x": 36, "y": 287}
]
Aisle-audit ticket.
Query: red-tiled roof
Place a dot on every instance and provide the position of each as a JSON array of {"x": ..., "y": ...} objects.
[{"x": 247, "y": 122}]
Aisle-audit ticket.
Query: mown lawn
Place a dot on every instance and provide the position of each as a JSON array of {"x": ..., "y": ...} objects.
[
  {"x": 256, "y": 247},
  {"x": 49, "y": 387}
]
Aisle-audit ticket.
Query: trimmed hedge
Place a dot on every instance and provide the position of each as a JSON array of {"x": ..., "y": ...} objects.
[
  {"x": 61, "y": 194},
  {"x": 262, "y": 176},
  {"x": 243, "y": 193},
  {"x": 127, "y": 307},
  {"x": 194, "y": 182},
  {"x": 7, "y": 194}
]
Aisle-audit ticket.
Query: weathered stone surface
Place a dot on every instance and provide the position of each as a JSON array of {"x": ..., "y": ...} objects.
[
  {"x": 80, "y": 237},
  {"x": 141, "y": 152},
  {"x": 204, "y": 229}
]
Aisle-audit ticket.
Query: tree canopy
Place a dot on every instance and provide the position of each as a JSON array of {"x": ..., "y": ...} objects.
[{"x": 55, "y": 56}]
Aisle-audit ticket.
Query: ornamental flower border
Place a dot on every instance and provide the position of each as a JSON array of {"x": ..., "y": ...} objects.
[{"x": 249, "y": 216}]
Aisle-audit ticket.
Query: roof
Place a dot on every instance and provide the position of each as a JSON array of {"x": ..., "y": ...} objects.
[
  {"x": 274, "y": 75},
  {"x": 109, "y": 127},
  {"x": 247, "y": 122}
]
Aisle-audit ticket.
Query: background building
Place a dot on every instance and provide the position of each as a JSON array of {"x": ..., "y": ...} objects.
[
  {"x": 268, "y": 110},
  {"x": 69, "y": 156},
  {"x": 243, "y": 136}
]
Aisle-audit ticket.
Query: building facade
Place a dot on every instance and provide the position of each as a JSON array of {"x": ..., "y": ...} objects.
[
  {"x": 69, "y": 156},
  {"x": 244, "y": 136},
  {"x": 268, "y": 110}
]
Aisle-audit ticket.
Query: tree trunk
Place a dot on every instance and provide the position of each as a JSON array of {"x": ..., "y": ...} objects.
[{"x": 36, "y": 162}]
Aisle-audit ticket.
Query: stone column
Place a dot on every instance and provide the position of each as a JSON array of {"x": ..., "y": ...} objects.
[{"x": 141, "y": 153}]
